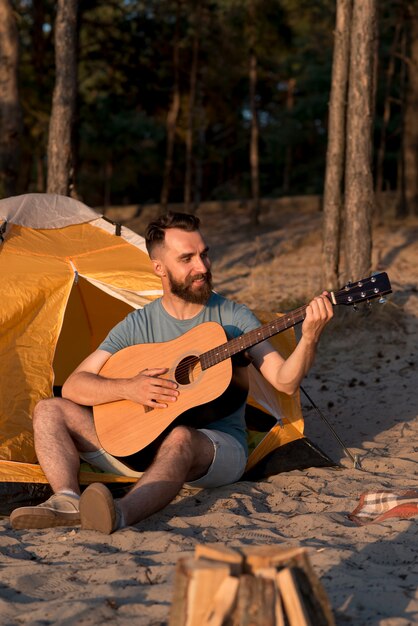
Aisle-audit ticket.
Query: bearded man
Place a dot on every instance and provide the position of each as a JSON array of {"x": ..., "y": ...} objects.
[{"x": 185, "y": 454}]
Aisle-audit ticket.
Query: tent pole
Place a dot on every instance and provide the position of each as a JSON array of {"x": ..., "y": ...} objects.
[{"x": 355, "y": 459}]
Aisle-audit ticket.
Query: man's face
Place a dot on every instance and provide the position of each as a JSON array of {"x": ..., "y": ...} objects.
[{"x": 186, "y": 265}]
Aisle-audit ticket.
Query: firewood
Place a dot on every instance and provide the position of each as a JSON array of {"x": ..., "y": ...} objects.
[
  {"x": 293, "y": 602},
  {"x": 271, "y": 573},
  {"x": 222, "y": 554},
  {"x": 196, "y": 583},
  {"x": 249, "y": 586},
  {"x": 259, "y": 557},
  {"x": 223, "y": 602},
  {"x": 256, "y": 602}
]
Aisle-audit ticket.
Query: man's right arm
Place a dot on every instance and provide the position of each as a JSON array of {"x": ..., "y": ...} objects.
[{"x": 85, "y": 385}]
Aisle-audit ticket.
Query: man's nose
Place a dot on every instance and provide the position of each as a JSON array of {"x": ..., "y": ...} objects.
[{"x": 202, "y": 265}]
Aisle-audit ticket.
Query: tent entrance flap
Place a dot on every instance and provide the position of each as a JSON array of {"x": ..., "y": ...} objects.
[{"x": 89, "y": 315}]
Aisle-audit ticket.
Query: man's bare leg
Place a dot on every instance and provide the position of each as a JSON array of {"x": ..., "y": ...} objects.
[
  {"x": 185, "y": 455},
  {"x": 63, "y": 429}
]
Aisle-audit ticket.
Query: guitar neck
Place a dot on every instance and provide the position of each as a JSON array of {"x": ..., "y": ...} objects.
[
  {"x": 362, "y": 290},
  {"x": 252, "y": 338}
]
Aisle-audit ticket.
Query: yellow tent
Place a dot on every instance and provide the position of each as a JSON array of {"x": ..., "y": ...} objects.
[{"x": 67, "y": 276}]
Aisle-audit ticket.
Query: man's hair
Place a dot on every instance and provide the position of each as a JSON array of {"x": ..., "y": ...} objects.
[{"x": 155, "y": 234}]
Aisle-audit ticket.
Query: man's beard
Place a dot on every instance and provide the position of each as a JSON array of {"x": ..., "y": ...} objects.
[{"x": 185, "y": 290}]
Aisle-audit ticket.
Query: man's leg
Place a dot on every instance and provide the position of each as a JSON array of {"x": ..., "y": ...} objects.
[
  {"x": 185, "y": 455},
  {"x": 61, "y": 428}
]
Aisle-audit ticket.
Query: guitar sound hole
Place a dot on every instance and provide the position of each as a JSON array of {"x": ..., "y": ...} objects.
[{"x": 188, "y": 370}]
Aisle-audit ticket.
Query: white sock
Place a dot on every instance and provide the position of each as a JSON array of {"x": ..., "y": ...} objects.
[
  {"x": 69, "y": 492},
  {"x": 120, "y": 518}
]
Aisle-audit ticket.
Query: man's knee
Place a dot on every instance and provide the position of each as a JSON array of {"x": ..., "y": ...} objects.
[
  {"x": 189, "y": 444},
  {"x": 180, "y": 436},
  {"x": 50, "y": 408}
]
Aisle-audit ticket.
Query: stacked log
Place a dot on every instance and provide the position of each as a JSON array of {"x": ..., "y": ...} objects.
[{"x": 251, "y": 586}]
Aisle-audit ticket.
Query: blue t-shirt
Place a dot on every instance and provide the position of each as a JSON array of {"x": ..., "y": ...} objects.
[{"x": 153, "y": 324}]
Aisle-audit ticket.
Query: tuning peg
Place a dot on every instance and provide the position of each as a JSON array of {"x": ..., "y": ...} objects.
[{"x": 382, "y": 300}]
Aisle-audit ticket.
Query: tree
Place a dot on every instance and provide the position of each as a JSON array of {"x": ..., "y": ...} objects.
[
  {"x": 410, "y": 125},
  {"x": 349, "y": 155},
  {"x": 191, "y": 105},
  {"x": 387, "y": 105},
  {"x": 254, "y": 134},
  {"x": 60, "y": 140},
  {"x": 39, "y": 125},
  {"x": 172, "y": 115},
  {"x": 359, "y": 195},
  {"x": 10, "y": 113},
  {"x": 334, "y": 172}
]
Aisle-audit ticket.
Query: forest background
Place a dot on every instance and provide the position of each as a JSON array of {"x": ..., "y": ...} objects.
[{"x": 158, "y": 101}]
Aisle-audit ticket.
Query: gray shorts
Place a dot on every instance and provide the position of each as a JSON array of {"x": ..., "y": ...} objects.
[
  {"x": 227, "y": 467},
  {"x": 228, "y": 463}
]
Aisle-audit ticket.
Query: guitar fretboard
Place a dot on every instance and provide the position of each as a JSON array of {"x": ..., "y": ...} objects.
[
  {"x": 360, "y": 291},
  {"x": 252, "y": 338}
]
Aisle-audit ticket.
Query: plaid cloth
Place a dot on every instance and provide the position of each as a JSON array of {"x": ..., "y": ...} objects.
[{"x": 377, "y": 506}]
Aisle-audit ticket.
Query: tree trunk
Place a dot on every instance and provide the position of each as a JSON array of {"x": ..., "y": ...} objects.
[
  {"x": 10, "y": 113},
  {"x": 191, "y": 113},
  {"x": 290, "y": 103},
  {"x": 254, "y": 154},
  {"x": 200, "y": 149},
  {"x": 38, "y": 40},
  {"x": 334, "y": 173},
  {"x": 359, "y": 195},
  {"x": 401, "y": 207},
  {"x": 390, "y": 72},
  {"x": 107, "y": 183},
  {"x": 38, "y": 59},
  {"x": 172, "y": 116},
  {"x": 410, "y": 136},
  {"x": 60, "y": 146}
]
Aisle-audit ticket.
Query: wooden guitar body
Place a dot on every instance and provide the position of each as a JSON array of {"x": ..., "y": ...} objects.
[{"x": 124, "y": 427}]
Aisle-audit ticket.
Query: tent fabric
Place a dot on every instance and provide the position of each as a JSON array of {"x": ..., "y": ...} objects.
[
  {"x": 14, "y": 472},
  {"x": 67, "y": 278},
  {"x": 43, "y": 210},
  {"x": 62, "y": 289}
]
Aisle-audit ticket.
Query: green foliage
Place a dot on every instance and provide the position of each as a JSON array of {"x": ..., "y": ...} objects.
[{"x": 126, "y": 78}]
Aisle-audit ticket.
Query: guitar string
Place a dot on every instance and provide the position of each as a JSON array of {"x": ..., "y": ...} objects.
[
  {"x": 184, "y": 368},
  {"x": 208, "y": 357}
]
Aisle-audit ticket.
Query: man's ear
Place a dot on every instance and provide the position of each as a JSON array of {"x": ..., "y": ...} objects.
[{"x": 158, "y": 267}]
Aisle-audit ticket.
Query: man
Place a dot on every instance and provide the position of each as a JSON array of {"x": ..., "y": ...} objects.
[{"x": 208, "y": 457}]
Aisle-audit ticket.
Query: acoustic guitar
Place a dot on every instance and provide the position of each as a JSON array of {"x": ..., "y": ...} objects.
[{"x": 200, "y": 362}]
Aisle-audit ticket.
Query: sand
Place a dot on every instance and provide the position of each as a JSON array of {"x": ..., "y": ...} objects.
[{"x": 365, "y": 382}]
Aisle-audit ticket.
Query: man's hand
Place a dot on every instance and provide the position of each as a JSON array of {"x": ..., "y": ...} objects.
[
  {"x": 149, "y": 389},
  {"x": 318, "y": 313}
]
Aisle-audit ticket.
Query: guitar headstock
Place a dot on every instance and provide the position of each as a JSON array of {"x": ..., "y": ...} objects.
[{"x": 363, "y": 290}]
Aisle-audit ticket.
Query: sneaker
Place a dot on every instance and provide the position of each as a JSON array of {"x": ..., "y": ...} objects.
[
  {"x": 59, "y": 510},
  {"x": 98, "y": 510}
]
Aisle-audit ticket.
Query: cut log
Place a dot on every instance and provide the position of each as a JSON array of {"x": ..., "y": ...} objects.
[
  {"x": 260, "y": 557},
  {"x": 222, "y": 554},
  {"x": 296, "y": 612},
  {"x": 251, "y": 586},
  {"x": 270, "y": 573},
  {"x": 196, "y": 583},
  {"x": 256, "y": 602},
  {"x": 223, "y": 603}
]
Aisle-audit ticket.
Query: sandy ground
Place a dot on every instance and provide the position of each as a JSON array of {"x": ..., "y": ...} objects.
[{"x": 364, "y": 380}]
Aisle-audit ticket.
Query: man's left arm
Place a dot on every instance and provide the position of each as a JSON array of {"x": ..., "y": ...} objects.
[{"x": 286, "y": 375}]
